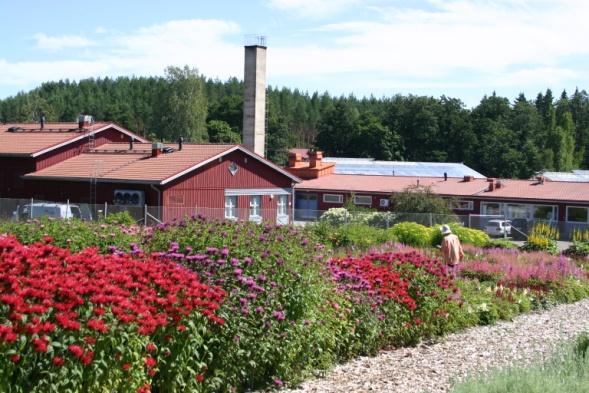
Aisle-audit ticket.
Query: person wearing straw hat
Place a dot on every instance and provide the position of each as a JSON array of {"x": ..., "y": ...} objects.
[{"x": 451, "y": 250}]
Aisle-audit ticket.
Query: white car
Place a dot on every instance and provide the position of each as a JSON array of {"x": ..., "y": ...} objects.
[
  {"x": 498, "y": 227},
  {"x": 55, "y": 210}
]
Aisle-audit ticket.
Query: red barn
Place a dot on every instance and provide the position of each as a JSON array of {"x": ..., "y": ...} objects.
[
  {"x": 221, "y": 181},
  {"x": 26, "y": 148}
]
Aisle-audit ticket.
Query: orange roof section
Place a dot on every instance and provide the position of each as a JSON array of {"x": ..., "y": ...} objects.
[
  {"x": 30, "y": 140},
  {"x": 510, "y": 189},
  {"x": 115, "y": 162}
]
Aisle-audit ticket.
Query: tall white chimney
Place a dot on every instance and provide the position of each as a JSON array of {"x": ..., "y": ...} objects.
[{"x": 254, "y": 102}]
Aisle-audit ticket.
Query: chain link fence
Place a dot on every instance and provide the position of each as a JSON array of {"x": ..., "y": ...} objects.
[{"x": 494, "y": 225}]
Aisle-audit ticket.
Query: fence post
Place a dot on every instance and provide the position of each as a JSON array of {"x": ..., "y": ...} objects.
[
  {"x": 105, "y": 209},
  {"x": 31, "y": 209},
  {"x": 431, "y": 220},
  {"x": 145, "y": 214},
  {"x": 67, "y": 208}
]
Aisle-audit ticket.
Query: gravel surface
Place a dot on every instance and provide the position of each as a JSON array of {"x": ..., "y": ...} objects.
[{"x": 435, "y": 367}]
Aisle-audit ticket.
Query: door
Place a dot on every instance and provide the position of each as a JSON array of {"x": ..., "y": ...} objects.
[
  {"x": 282, "y": 210},
  {"x": 305, "y": 206}
]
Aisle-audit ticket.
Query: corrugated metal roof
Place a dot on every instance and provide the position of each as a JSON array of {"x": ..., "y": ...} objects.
[
  {"x": 369, "y": 166},
  {"x": 580, "y": 176},
  {"x": 29, "y": 139},
  {"x": 510, "y": 189}
]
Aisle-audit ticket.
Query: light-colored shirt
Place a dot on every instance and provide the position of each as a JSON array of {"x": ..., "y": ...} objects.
[{"x": 451, "y": 249}]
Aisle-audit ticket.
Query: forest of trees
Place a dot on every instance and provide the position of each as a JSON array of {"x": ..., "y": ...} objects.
[{"x": 498, "y": 137}]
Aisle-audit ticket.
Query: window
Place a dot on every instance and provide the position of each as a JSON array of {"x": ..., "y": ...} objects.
[
  {"x": 545, "y": 212},
  {"x": 333, "y": 198},
  {"x": 255, "y": 204},
  {"x": 517, "y": 211},
  {"x": 491, "y": 209},
  {"x": 577, "y": 214},
  {"x": 463, "y": 205},
  {"x": 231, "y": 207},
  {"x": 282, "y": 205},
  {"x": 363, "y": 200}
]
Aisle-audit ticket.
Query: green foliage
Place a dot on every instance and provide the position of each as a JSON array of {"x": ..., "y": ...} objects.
[
  {"x": 496, "y": 137},
  {"x": 475, "y": 237},
  {"x": 500, "y": 243},
  {"x": 220, "y": 131},
  {"x": 120, "y": 218},
  {"x": 355, "y": 235},
  {"x": 413, "y": 234},
  {"x": 542, "y": 237},
  {"x": 580, "y": 235},
  {"x": 76, "y": 234},
  {"x": 343, "y": 215},
  {"x": 566, "y": 371},
  {"x": 421, "y": 199}
]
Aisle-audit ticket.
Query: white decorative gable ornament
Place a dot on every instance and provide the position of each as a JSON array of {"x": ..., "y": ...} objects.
[{"x": 233, "y": 168}]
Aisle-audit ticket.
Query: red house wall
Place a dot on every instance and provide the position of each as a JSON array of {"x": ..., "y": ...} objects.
[
  {"x": 11, "y": 170},
  {"x": 78, "y": 147},
  {"x": 203, "y": 190}
]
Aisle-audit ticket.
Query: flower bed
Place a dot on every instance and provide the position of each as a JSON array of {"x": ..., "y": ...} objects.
[{"x": 87, "y": 322}]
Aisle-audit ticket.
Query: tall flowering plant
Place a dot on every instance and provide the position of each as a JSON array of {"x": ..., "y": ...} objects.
[
  {"x": 87, "y": 322},
  {"x": 394, "y": 298},
  {"x": 279, "y": 321}
]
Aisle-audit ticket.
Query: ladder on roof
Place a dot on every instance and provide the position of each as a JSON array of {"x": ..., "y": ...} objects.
[
  {"x": 94, "y": 184},
  {"x": 91, "y": 141}
]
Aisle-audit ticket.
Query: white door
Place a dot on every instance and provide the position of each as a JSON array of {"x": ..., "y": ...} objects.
[{"x": 282, "y": 210}]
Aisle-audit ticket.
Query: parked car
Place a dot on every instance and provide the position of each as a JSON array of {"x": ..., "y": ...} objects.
[
  {"x": 55, "y": 210},
  {"x": 498, "y": 227}
]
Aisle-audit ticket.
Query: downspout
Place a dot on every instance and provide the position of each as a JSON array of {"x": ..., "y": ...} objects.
[{"x": 159, "y": 201}]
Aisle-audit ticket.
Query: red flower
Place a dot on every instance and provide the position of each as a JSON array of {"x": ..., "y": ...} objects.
[
  {"x": 87, "y": 357},
  {"x": 40, "y": 344},
  {"x": 58, "y": 361},
  {"x": 144, "y": 389},
  {"x": 200, "y": 378},
  {"x": 151, "y": 347},
  {"x": 150, "y": 362},
  {"x": 15, "y": 358},
  {"x": 126, "y": 367},
  {"x": 76, "y": 350}
]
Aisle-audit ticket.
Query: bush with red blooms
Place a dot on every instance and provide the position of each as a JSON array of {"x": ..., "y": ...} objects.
[
  {"x": 395, "y": 298},
  {"x": 94, "y": 323}
]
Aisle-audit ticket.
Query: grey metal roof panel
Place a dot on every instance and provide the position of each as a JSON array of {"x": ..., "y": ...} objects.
[{"x": 356, "y": 166}]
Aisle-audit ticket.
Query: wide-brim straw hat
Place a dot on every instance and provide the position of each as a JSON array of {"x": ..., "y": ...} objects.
[{"x": 445, "y": 229}]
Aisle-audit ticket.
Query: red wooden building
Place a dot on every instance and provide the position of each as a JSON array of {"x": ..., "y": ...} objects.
[
  {"x": 30, "y": 147},
  {"x": 221, "y": 181}
]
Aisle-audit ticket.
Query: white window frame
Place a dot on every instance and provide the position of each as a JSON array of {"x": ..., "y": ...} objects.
[
  {"x": 484, "y": 208},
  {"x": 357, "y": 197},
  {"x": 282, "y": 205},
  {"x": 255, "y": 208},
  {"x": 577, "y": 222},
  {"x": 231, "y": 207},
  {"x": 470, "y": 205},
  {"x": 339, "y": 197}
]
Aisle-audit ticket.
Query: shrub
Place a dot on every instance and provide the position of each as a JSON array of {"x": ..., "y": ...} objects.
[
  {"x": 413, "y": 234},
  {"x": 542, "y": 237},
  {"x": 579, "y": 250},
  {"x": 466, "y": 235},
  {"x": 342, "y": 216},
  {"x": 500, "y": 243},
  {"x": 356, "y": 236},
  {"x": 91, "y": 323},
  {"x": 120, "y": 218},
  {"x": 336, "y": 216}
]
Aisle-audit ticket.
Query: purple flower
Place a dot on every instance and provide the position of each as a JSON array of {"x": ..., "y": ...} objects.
[
  {"x": 279, "y": 315},
  {"x": 278, "y": 382},
  {"x": 238, "y": 272},
  {"x": 234, "y": 262}
]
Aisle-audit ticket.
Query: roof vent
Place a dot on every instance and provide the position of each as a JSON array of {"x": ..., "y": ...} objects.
[{"x": 468, "y": 178}]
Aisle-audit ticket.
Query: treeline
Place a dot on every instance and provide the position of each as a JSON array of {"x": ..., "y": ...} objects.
[{"x": 498, "y": 137}]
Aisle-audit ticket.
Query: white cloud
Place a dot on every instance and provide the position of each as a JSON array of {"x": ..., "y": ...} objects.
[
  {"x": 147, "y": 51},
  {"x": 312, "y": 8},
  {"x": 57, "y": 43},
  {"x": 497, "y": 42}
]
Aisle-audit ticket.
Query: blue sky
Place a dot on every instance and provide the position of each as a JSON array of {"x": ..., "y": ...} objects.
[{"x": 462, "y": 49}]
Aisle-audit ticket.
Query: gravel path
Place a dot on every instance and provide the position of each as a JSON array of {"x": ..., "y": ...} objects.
[{"x": 434, "y": 368}]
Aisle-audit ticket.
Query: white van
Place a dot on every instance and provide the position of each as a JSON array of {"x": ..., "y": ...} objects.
[
  {"x": 498, "y": 228},
  {"x": 55, "y": 210}
]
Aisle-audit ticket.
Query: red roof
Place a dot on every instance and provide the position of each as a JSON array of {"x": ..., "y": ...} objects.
[
  {"x": 510, "y": 189},
  {"x": 115, "y": 162},
  {"x": 28, "y": 139}
]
